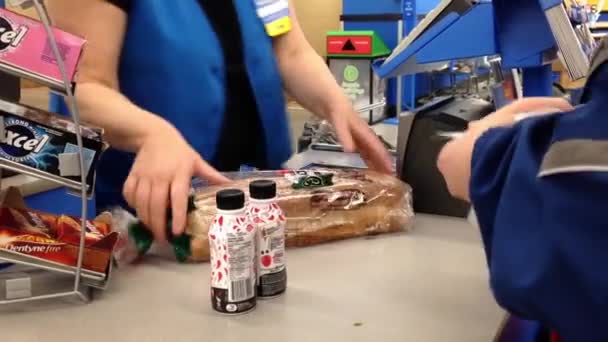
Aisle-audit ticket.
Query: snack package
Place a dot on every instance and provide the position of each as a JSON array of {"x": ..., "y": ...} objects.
[
  {"x": 68, "y": 230},
  {"x": 38, "y": 140},
  {"x": 320, "y": 206},
  {"x": 55, "y": 239},
  {"x": 24, "y": 46}
]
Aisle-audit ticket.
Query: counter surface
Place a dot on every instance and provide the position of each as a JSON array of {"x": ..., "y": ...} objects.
[{"x": 428, "y": 285}]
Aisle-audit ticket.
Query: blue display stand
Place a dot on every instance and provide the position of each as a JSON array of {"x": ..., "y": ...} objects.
[
  {"x": 59, "y": 201},
  {"x": 382, "y": 17},
  {"x": 517, "y": 30}
]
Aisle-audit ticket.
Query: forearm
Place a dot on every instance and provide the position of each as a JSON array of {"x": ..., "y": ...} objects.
[
  {"x": 126, "y": 125},
  {"x": 310, "y": 82},
  {"x": 542, "y": 217}
]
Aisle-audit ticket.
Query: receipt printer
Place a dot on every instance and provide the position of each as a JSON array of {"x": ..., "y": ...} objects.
[{"x": 419, "y": 143}]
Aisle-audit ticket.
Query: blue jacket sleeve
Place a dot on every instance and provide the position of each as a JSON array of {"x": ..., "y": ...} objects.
[{"x": 546, "y": 236}]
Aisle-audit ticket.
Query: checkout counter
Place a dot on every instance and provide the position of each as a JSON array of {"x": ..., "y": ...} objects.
[
  {"x": 427, "y": 285},
  {"x": 430, "y": 284}
]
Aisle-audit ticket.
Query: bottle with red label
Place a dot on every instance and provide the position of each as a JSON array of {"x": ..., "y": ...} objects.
[
  {"x": 232, "y": 248},
  {"x": 269, "y": 222}
]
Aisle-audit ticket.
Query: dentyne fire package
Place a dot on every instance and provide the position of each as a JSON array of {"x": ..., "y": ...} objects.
[
  {"x": 53, "y": 239},
  {"x": 24, "y": 46},
  {"x": 47, "y": 143}
]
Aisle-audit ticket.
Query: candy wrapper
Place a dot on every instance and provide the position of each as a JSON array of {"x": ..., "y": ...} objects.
[
  {"x": 24, "y": 46},
  {"x": 46, "y": 238},
  {"x": 39, "y": 140},
  {"x": 320, "y": 206}
]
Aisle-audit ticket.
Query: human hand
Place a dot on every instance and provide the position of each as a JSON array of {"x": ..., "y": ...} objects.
[
  {"x": 528, "y": 106},
  {"x": 355, "y": 135},
  {"x": 161, "y": 175},
  {"x": 454, "y": 160}
]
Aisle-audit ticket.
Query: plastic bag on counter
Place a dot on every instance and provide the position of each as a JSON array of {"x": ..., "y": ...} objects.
[
  {"x": 320, "y": 206},
  {"x": 137, "y": 240},
  {"x": 322, "y": 132}
]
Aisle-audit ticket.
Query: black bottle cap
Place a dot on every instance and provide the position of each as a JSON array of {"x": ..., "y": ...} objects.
[
  {"x": 230, "y": 199},
  {"x": 263, "y": 189}
]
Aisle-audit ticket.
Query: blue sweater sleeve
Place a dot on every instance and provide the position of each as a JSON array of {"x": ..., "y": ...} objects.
[{"x": 545, "y": 237}]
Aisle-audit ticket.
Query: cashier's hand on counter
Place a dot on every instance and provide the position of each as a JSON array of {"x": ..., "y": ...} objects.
[
  {"x": 355, "y": 135},
  {"x": 454, "y": 161},
  {"x": 162, "y": 174}
]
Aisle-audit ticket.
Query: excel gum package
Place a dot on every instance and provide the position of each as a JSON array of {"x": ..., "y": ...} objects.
[{"x": 39, "y": 140}]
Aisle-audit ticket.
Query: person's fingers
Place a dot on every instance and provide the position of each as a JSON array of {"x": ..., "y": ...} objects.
[
  {"x": 142, "y": 200},
  {"x": 561, "y": 104},
  {"x": 342, "y": 127},
  {"x": 205, "y": 171},
  {"x": 371, "y": 148},
  {"x": 128, "y": 190},
  {"x": 451, "y": 163},
  {"x": 180, "y": 188},
  {"x": 532, "y": 104},
  {"x": 158, "y": 206}
]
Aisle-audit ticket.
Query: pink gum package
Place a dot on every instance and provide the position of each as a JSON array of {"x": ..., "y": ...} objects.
[{"x": 24, "y": 46}]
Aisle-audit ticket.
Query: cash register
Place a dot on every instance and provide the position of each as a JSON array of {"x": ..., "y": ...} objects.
[{"x": 419, "y": 145}]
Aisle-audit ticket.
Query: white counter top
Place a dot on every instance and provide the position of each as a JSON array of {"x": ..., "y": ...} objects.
[{"x": 428, "y": 285}]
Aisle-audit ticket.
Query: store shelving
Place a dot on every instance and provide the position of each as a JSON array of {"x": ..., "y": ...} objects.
[
  {"x": 56, "y": 87},
  {"x": 84, "y": 280}
]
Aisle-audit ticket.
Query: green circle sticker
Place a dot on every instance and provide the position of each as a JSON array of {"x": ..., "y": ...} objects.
[{"x": 351, "y": 73}]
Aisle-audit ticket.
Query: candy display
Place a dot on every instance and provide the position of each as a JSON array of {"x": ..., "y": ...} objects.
[
  {"x": 37, "y": 139},
  {"x": 24, "y": 46},
  {"x": 269, "y": 221},
  {"x": 56, "y": 239},
  {"x": 232, "y": 241}
]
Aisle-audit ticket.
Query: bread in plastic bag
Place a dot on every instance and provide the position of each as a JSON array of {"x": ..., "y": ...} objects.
[{"x": 320, "y": 205}]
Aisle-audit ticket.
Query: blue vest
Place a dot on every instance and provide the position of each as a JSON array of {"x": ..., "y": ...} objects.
[{"x": 172, "y": 65}]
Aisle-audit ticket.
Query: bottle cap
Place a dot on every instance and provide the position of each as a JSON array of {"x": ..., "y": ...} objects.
[
  {"x": 263, "y": 189},
  {"x": 230, "y": 199}
]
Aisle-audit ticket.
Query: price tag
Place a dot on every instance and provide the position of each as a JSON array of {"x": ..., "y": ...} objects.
[{"x": 275, "y": 15}]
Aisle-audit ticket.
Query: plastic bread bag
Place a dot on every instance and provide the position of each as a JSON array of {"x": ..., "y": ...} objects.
[
  {"x": 320, "y": 206},
  {"x": 325, "y": 134},
  {"x": 137, "y": 240}
]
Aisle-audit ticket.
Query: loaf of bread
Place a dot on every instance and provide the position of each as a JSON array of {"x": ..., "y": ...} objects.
[{"x": 320, "y": 206}]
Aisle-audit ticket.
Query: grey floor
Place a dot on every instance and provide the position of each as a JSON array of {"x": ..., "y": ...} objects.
[{"x": 38, "y": 97}]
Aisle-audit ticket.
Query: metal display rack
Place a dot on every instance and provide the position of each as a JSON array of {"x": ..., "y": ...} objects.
[{"x": 84, "y": 280}]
